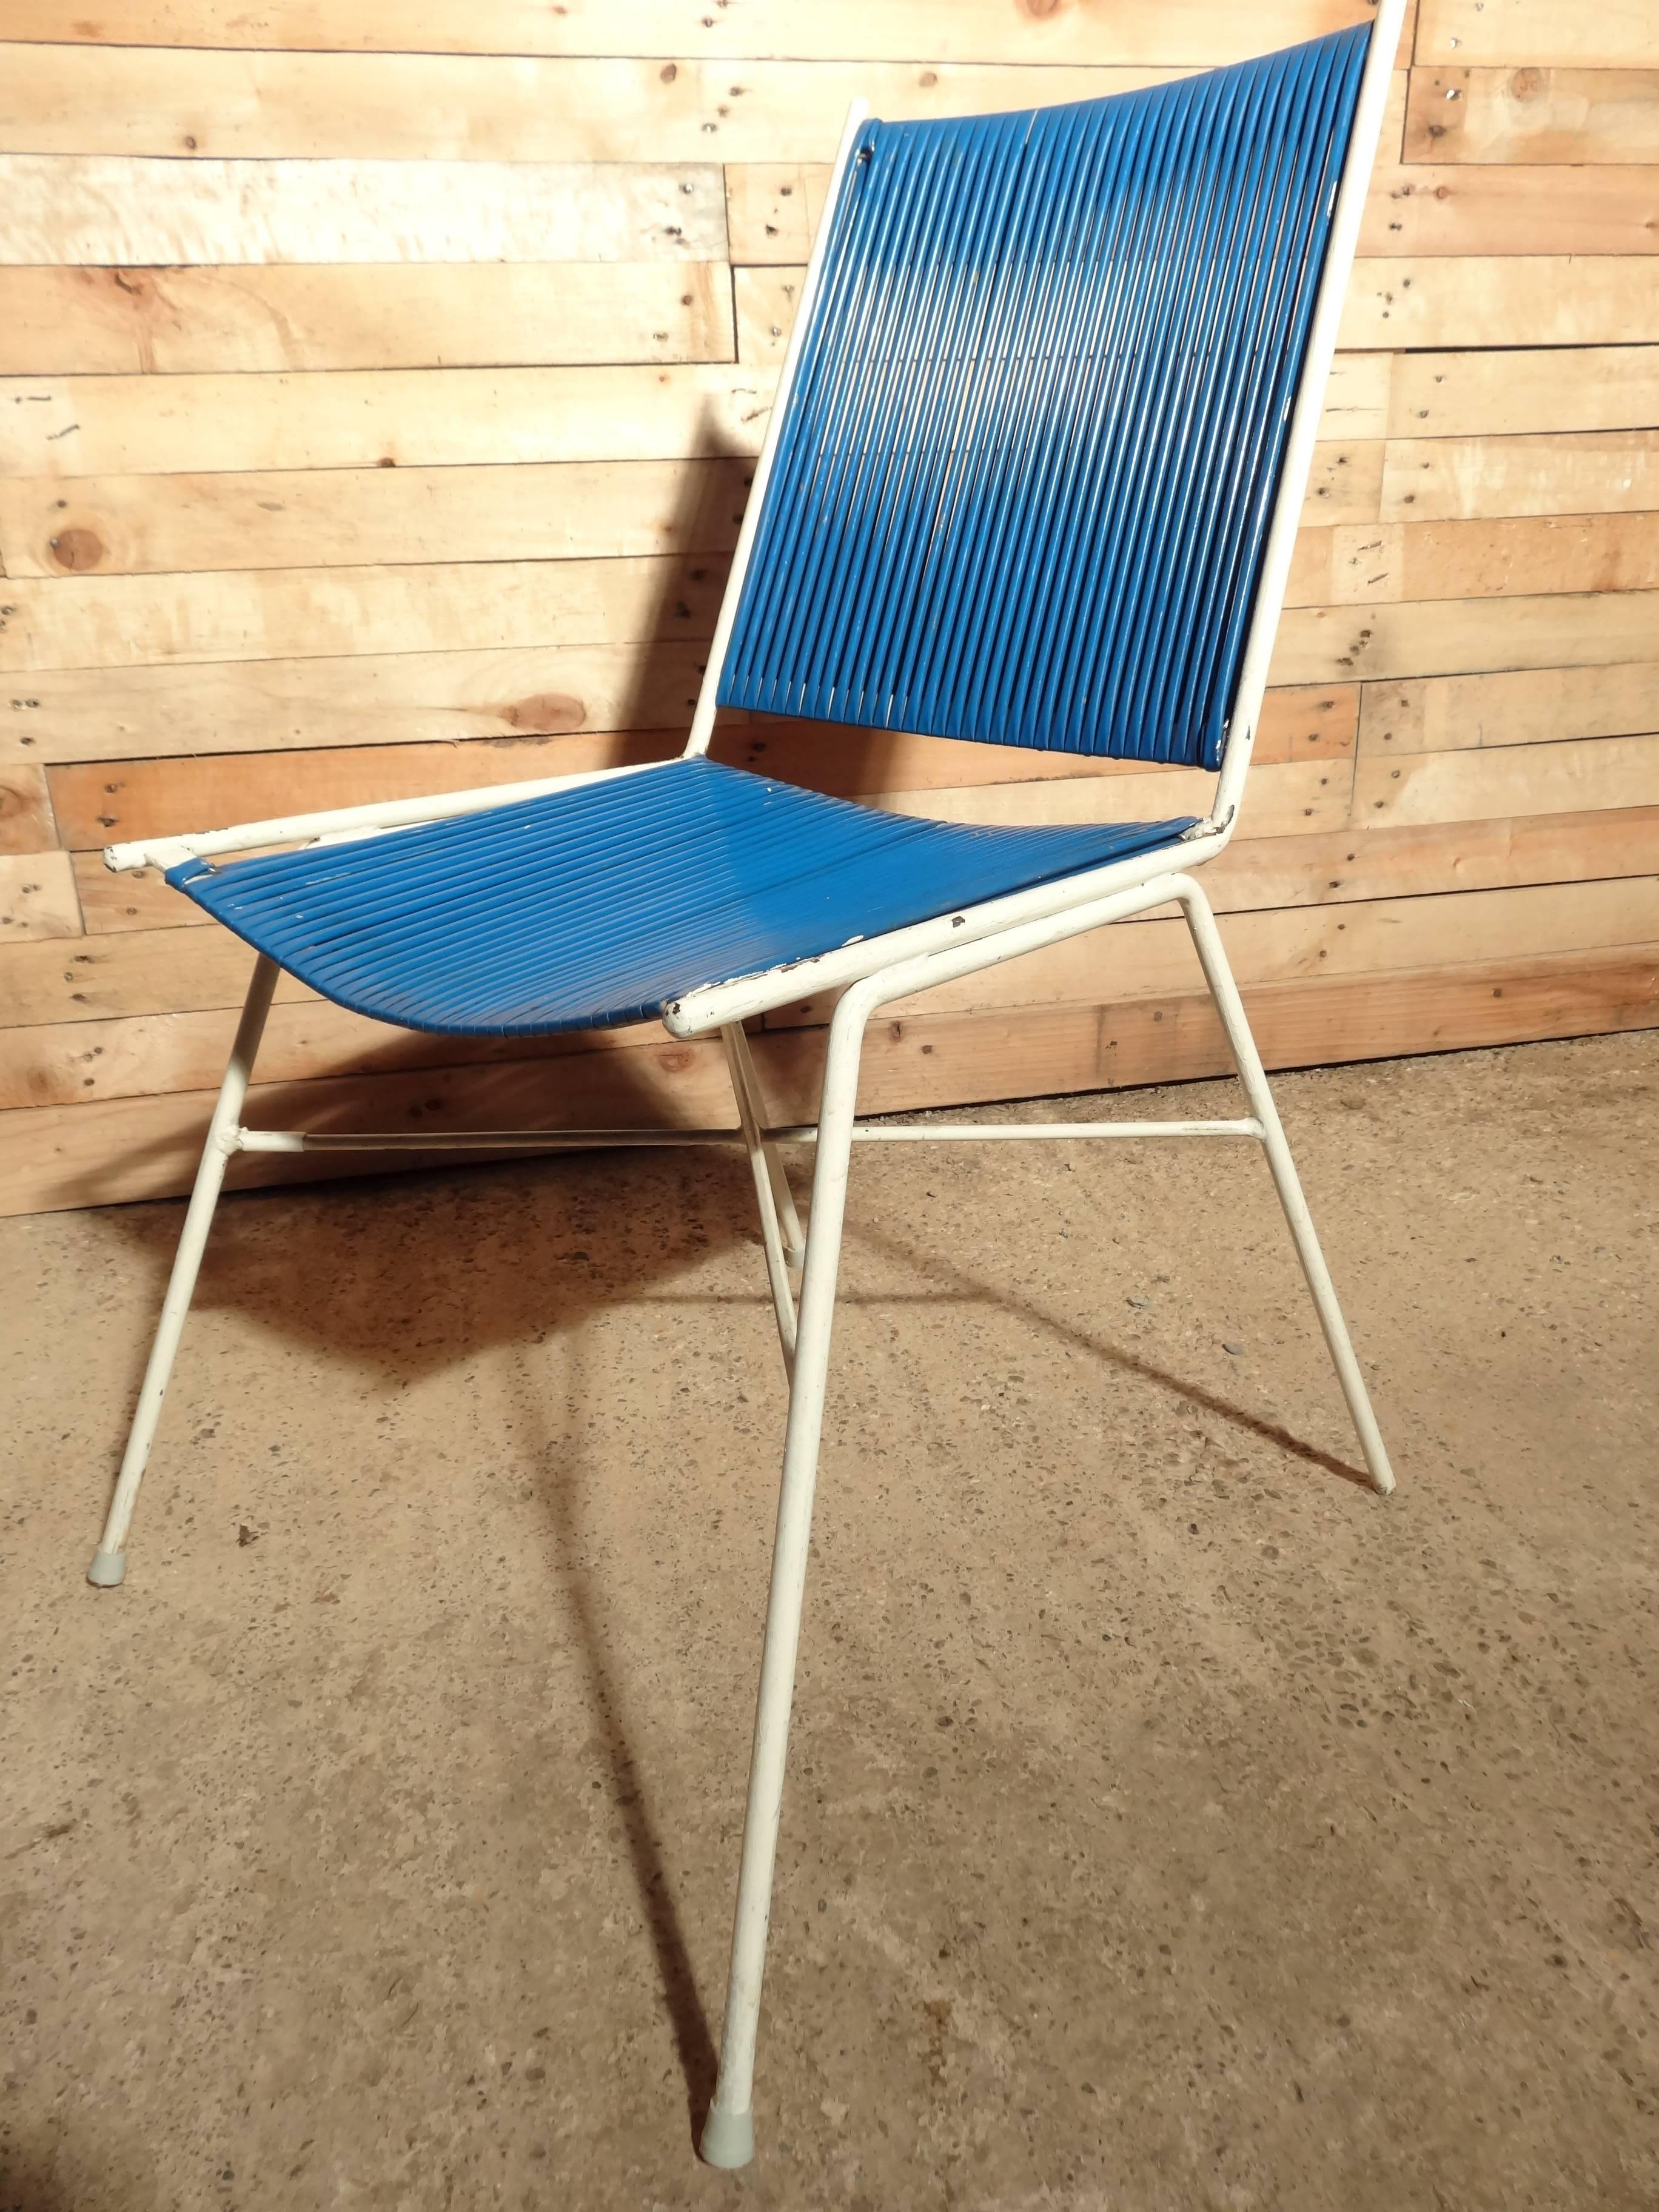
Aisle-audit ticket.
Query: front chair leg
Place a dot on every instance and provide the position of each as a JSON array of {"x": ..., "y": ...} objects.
[
  {"x": 109, "y": 1561},
  {"x": 1207, "y": 938},
  {"x": 728, "y": 2136}
]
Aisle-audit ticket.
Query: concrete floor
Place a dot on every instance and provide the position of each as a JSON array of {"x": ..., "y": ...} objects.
[{"x": 1171, "y": 1822}]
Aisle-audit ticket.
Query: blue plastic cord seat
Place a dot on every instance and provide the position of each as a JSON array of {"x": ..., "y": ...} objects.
[
  {"x": 600, "y": 905},
  {"x": 1019, "y": 496}
]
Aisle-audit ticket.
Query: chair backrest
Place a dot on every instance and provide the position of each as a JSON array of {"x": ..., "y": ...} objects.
[{"x": 1026, "y": 466}]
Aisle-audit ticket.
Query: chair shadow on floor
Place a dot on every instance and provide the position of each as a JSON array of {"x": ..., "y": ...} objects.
[
  {"x": 405, "y": 1276},
  {"x": 604, "y": 1664},
  {"x": 30, "y": 2181}
]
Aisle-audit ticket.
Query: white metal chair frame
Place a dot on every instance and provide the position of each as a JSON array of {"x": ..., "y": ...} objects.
[{"x": 870, "y": 974}]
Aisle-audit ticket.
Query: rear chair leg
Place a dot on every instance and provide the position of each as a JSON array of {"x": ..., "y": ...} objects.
[
  {"x": 761, "y": 1161},
  {"x": 1219, "y": 976},
  {"x": 728, "y": 2136},
  {"x": 109, "y": 1562},
  {"x": 744, "y": 1077}
]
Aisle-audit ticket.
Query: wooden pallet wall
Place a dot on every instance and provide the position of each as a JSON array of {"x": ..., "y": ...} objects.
[{"x": 378, "y": 390}]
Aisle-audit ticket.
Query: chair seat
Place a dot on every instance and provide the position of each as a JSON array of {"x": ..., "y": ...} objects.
[{"x": 600, "y": 905}]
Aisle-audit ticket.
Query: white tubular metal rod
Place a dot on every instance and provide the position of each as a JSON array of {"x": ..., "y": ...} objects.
[
  {"x": 902, "y": 978},
  {"x": 777, "y": 1263},
  {"x": 713, "y": 1007},
  {"x": 1206, "y": 940},
  {"x": 349, "y": 821},
  {"x": 1310, "y": 406},
  {"x": 794, "y": 1242},
  {"x": 728, "y": 2138},
  {"x": 109, "y": 1563},
  {"x": 478, "y": 1141},
  {"x": 587, "y": 1140},
  {"x": 702, "y": 720},
  {"x": 963, "y": 1133}
]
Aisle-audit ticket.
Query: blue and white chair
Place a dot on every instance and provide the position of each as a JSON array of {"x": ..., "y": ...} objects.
[{"x": 1032, "y": 478}]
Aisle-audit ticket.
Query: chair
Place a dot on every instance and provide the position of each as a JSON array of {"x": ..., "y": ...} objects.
[{"x": 1032, "y": 478}]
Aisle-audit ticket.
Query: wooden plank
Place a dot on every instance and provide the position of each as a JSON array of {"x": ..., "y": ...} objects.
[
  {"x": 1455, "y": 113},
  {"x": 1369, "y": 863},
  {"x": 1581, "y": 775},
  {"x": 116, "y": 321},
  {"x": 377, "y": 418},
  {"x": 1457, "y": 637},
  {"x": 145, "y": 971},
  {"x": 427, "y": 108},
  {"x": 773, "y": 209},
  {"x": 67, "y": 1063},
  {"x": 262, "y": 706},
  {"x": 107, "y": 801},
  {"x": 1197, "y": 33},
  {"x": 36, "y": 897},
  {"x": 104, "y": 800},
  {"x": 1357, "y": 404},
  {"x": 1325, "y": 869},
  {"x": 1392, "y": 301},
  {"x": 1345, "y": 484},
  {"x": 1538, "y": 707},
  {"x": 1609, "y": 307},
  {"x": 97, "y": 1153},
  {"x": 81, "y": 1063},
  {"x": 398, "y": 699},
  {"x": 1458, "y": 395},
  {"x": 1537, "y": 32},
  {"x": 327, "y": 518},
  {"x": 122, "y": 1149},
  {"x": 1475, "y": 559},
  {"x": 765, "y": 301},
  {"x": 1277, "y": 946},
  {"x": 1566, "y": 472},
  {"x": 26, "y": 820},
  {"x": 289, "y": 706},
  {"x": 1297, "y": 798},
  {"x": 99, "y": 208},
  {"x": 1043, "y": 1052},
  {"x": 1358, "y": 397},
  {"x": 1377, "y": 396},
  {"x": 1470, "y": 208},
  {"x": 141, "y": 900},
  {"x": 178, "y": 971},
  {"x": 1308, "y": 724},
  {"x": 1527, "y": 301},
  {"x": 135, "y": 622}
]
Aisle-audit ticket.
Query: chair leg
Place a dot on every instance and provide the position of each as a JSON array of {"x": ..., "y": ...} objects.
[
  {"x": 772, "y": 1231},
  {"x": 109, "y": 1563},
  {"x": 1219, "y": 976},
  {"x": 744, "y": 1076},
  {"x": 728, "y": 2136}
]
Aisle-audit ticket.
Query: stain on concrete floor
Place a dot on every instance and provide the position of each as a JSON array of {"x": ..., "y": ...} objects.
[{"x": 1170, "y": 1823}]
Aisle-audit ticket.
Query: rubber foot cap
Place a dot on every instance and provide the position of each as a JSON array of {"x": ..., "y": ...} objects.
[
  {"x": 728, "y": 2139},
  {"x": 107, "y": 1569}
]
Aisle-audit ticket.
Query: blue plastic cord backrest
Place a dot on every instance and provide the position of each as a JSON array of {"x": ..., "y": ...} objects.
[{"x": 1026, "y": 471}]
